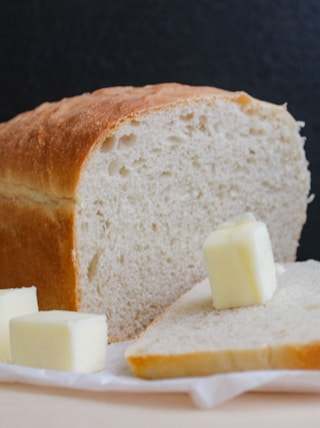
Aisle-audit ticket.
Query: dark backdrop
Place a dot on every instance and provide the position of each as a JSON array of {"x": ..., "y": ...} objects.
[{"x": 56, "y": 48}]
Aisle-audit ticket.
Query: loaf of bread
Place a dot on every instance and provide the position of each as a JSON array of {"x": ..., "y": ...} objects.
[
  {"x": 192, "y": 338},
  {"x": 106, "y": 198}
]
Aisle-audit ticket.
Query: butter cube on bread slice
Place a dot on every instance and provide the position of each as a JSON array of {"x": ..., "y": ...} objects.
[
  {"x": 60, "y": 340},
  {"x": 240, "y": 263},
  {"x": 192, "y": 338},
  {"x": 14, "y": 302}
]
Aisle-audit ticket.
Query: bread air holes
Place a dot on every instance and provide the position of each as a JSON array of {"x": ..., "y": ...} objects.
[
  {"x": 117, "y": 167},
  {"x": 108, "y": 144},
  {"x": 93, "y": 265},
  {"x": 175, "y": 139},
  {"x": 135, "y": 122},
  {"x": 126, "y": 141},
  {"x": 187, "y": 116},
  {"x": 166, "y": 174},
  {"x": 202, "y": 125},
  {"x": 252, "y": 156}
]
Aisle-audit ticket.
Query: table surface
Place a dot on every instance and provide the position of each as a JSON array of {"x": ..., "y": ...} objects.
[{"x": 33, "y": 406}]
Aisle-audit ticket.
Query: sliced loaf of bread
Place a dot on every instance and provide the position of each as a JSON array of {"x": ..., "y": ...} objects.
[
  {"x": 106, "y": 198},
  {"x": 193, "y": 339}
]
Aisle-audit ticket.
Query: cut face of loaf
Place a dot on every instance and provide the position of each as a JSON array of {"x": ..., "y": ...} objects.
[{"x": 120, "y": 212}]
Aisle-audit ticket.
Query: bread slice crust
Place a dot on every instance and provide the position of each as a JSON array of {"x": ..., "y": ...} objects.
[
  {"x": 290, "y": 357},
  {"x": 256, "y": 338}
]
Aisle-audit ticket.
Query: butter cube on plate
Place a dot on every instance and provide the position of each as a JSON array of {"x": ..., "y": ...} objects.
[
  {"x": 60, "y": 340},
  {"x": 14, "y": 302},
  {"x": 240, "y": 263}
]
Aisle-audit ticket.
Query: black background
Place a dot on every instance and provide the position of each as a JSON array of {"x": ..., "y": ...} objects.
[{"x": 53, "y": 48}]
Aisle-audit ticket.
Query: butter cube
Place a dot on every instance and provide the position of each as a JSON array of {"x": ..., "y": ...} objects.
[
  {"x": 240, "y": 264},
  {"x": 60, "y": 340},
  {"x": 14, "y": 302}
]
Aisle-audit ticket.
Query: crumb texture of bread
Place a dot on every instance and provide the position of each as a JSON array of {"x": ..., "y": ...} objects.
[
  {"x": 106, "y": 198},
  {"x": 193, "y": 339}
]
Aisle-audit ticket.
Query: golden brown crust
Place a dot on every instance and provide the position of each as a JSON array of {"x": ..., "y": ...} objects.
[
  {"x": 289, "y": 357},
  {"x": 36, "y": 249},
  {"x": 45, "y": 148},
  {"x": 298, "y": 357}
]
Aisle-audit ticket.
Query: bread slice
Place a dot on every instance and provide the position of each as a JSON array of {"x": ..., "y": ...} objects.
[
  {"x": 193, "y": 339},
  {"x": 106, "y": 198}
]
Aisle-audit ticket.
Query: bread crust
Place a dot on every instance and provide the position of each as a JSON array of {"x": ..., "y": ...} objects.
[
  {"x": 290, "y": 357},
  {"x": 37, "y": 249},
  {"x": 45, "y": 149}
]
